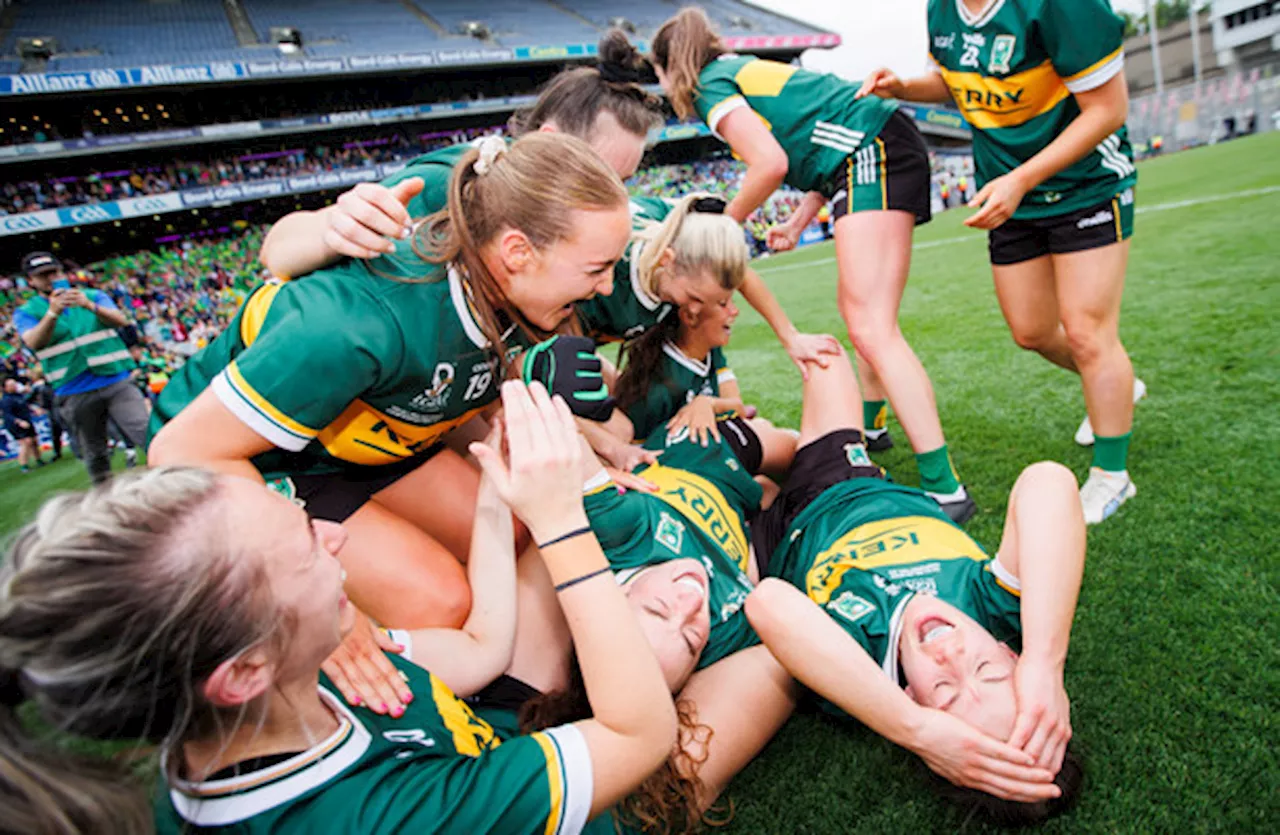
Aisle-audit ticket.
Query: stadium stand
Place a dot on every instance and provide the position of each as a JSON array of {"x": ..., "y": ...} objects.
[
  {"x": 342, "y": 27},
  {"x": 91, "y": 35},
  {"x": 125, "y": 32}
]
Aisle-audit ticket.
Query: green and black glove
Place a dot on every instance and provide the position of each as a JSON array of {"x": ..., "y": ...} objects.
[{"x": 568, "y": 366}]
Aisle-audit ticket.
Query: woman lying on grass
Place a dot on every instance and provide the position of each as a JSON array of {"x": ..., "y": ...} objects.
[{"x": 891, "y": 614}]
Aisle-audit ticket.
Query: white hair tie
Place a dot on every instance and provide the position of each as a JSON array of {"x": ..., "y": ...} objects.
[{"x": 491, "y": 147}]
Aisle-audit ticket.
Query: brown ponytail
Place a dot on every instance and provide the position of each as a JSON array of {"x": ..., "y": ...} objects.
[
  {"x": 682, "y": 47},
  {"x": 640, "y": 363},
  {"x": 575, "y": 98},
  {"x": 533, "y": 186}
]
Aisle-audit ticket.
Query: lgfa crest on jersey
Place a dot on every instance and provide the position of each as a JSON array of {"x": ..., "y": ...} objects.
[{"x": 1002, "y": 53}]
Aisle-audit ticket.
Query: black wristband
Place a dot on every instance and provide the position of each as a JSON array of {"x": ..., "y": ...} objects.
[
  {"x": 585, "y": 577},
  {"x": 562, "y": 537}
]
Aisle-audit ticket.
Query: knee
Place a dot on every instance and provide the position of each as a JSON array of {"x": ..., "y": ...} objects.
[
  {"x": 439, "y": 598},
  {"x": 1046, "y": 476},
  {"x": 870, "y": 338},
  {"x": 1033, "y": 338},
  {"x": 1087, "y": 339}
]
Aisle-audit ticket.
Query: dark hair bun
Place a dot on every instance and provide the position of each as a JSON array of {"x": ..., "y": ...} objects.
[{"x": 621, "y": 63}]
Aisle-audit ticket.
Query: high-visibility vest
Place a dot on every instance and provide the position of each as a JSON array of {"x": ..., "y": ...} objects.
[{"x": 79, "y": 343}]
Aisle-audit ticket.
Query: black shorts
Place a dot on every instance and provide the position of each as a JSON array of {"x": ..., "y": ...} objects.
[
  {"x": 19, "y": 433},
  {"x": 744, "y": 442},
  {"x": 1103, "y": 224},
  {"x": 335, "y": 497},
  {"x": 817, "y": 466},
  {"x": 891, "y": 172}
]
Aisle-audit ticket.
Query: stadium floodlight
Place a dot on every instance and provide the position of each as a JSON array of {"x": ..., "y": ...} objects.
[
  {"x": 37, "y": 48},
  {"x": 475, "y": 29},
  {"x": 622, "y": 23}
]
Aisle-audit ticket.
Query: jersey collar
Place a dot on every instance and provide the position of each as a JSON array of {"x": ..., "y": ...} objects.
[
  {"x": 236, "y": 799},
  {"x": 890, "y": 663},
  {"x": 702, "y": 369},
  {"x": 462, "y": 307},
  {"x": 983, "y": 17},
  {"x": 637, "y": 286}
]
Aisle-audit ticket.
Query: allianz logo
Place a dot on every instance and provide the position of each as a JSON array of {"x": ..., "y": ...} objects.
[{"x": 1100, "y": 219}]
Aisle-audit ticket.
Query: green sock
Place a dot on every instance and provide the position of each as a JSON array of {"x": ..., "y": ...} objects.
[
  {"x": 875, "y": 413},
  {"x": 1111, "y": 454},
  {"x": 937, "y": 474}
]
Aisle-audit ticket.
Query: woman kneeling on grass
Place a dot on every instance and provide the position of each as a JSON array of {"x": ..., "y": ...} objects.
[{"x": 194, "y": 610}]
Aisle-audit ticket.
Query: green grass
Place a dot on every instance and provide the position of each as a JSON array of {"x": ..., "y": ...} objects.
[{"x": 1174, "y": 673}]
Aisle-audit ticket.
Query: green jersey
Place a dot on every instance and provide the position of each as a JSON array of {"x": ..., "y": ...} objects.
[
  {"x": 814, "y": 116},
  {"x": 346, "y": 369},
  {"x": 630, "y": 309},
  {"x": 700, "y": 510},
  {"x": 436, "y": 769},
  {"x": 1012, "y": 71},
  {"x": 864, "y": 547},
  {"x": 681, "y": 380}
]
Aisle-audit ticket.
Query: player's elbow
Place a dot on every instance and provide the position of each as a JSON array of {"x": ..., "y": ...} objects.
[
  {"x": 164, "y": 449},
  {"x": 774, "y": 165},
  {"x": 764, "y": 603}
]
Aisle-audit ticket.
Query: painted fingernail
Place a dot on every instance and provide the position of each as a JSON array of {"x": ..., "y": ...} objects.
[
  {"x": 356, "y": 700},
  {"x": 406, "y": 697},
  {"x": 397, "y": 712},
  {"x": 406, "y": 232},
  {"x": 382, "y": 707}
]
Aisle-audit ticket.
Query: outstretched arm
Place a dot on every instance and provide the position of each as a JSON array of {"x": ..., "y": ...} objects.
[
  {"x": 822, "y": 656},
  {"x": 801, "y": 347}
]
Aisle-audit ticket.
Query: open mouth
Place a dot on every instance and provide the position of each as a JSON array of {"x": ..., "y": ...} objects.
[
  {"x": 933, "y": 628},
  {"x": 693, "y": 581}
]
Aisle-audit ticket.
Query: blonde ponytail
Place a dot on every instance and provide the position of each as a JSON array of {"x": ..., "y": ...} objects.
[{"x": 703, "y": 242}]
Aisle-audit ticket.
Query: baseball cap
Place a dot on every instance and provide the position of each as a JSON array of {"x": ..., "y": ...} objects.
[{"x": 35, "y": 262}]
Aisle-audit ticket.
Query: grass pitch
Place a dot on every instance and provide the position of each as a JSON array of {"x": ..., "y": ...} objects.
[{"x": 1174, "y": 672}]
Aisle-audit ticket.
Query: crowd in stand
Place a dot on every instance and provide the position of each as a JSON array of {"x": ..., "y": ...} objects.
[
  {"x": 99, "y": 186},
  {"x": 182, "y": 295}
]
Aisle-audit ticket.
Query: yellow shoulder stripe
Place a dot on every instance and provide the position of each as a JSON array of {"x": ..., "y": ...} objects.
[
  {"x": 763, "y": 78},
  {"x": 251, "y": 394},
  {"x": 255, "y": 312},
  {"x": 555, "y": 782},
  {"x": 1092, "y": 67}
]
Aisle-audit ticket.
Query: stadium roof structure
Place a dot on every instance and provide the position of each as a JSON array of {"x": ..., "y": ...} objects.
[{"x": 87, "y": 45}]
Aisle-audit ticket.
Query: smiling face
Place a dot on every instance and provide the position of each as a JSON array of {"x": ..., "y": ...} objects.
[
  {"x": 298, "y": 559},
  {"x": 710, "y": 318},
  {"x": 953, "y": 664},
  {"x": 545, "y": 284},
  {"x": 671, "y": 601}
]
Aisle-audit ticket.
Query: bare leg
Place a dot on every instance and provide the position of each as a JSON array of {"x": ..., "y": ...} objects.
[
  {"x": 400, "y": 576},
  {"x": 744, "y": 699},
  {"x": 1028, "y": 298},
  {"x": 1090, "y": 286},
  {"x": 873, "y": 251}
]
